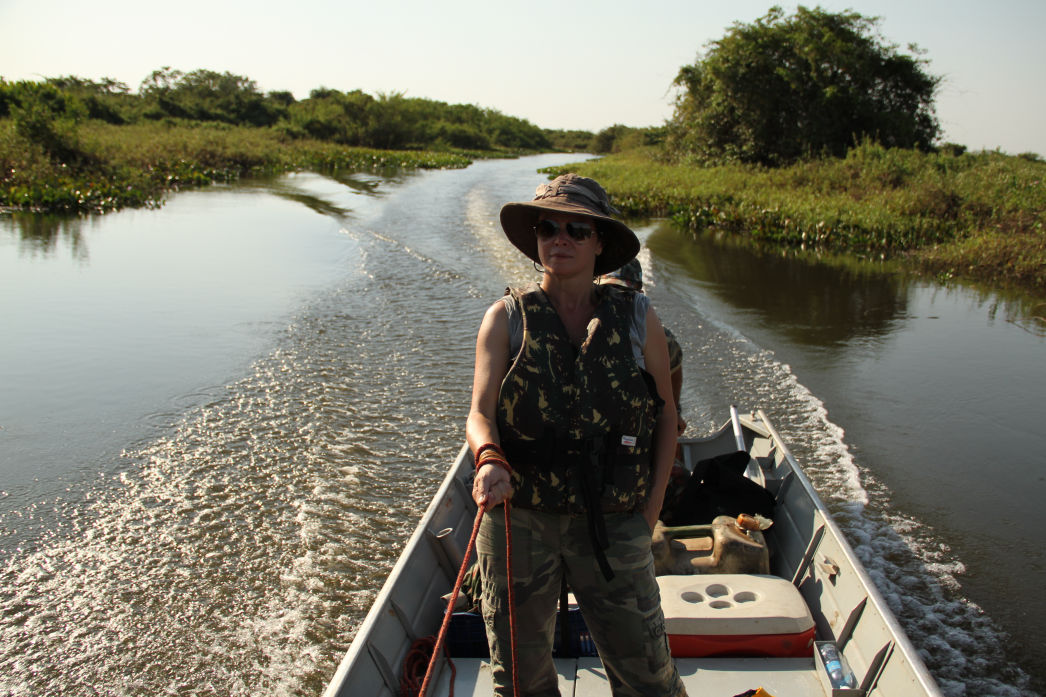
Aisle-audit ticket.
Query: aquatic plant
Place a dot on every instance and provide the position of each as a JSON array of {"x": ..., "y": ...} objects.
[
  {"x": 135, "y": 165},
  {"x": 974, "y": 215}
]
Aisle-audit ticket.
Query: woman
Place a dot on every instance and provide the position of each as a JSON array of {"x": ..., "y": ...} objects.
[{"x": 572, "y": 419}]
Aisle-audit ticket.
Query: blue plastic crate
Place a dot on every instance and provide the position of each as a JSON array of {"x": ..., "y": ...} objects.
[
  {"x": 580, "y": 642},
  {"x": 467, "y": 637}
]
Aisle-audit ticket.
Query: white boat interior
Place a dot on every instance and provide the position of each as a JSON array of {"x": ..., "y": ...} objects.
[{"x": 730, "y": 632}]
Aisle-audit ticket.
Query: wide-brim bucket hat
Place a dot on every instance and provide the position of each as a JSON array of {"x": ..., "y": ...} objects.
[{"x": 576, "y": 195}]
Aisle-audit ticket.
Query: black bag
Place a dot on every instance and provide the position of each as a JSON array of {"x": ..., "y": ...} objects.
[{"x": 717, "y": 487}]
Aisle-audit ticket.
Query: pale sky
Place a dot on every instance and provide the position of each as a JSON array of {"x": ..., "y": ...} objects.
[{"x": 586, "y": 64}]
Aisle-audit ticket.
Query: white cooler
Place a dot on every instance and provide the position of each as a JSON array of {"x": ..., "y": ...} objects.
[{"x": 735, "y": 615}]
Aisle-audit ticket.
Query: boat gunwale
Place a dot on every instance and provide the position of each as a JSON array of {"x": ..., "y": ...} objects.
[{"x": 902, "y": 641}]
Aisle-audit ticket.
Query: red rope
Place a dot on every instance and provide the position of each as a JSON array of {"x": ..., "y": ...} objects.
[
  {"x": 422, "y": 646},
  {"x": 414, "y": 666},
  {"x": 511, "y": 600}
]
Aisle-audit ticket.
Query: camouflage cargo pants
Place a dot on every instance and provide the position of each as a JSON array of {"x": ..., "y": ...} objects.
[{"x": 623, "y": 615}]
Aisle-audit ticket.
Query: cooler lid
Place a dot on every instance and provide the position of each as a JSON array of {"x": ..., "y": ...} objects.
[{"x": 732, "y": 604}]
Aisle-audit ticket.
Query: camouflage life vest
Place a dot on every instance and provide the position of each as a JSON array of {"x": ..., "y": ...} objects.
[{"x": 577, "y": 423}]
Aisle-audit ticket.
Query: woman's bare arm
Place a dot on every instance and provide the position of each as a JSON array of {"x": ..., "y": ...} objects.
[
  {"x": 493, "y": 484},
  {"x": 655, "y": 352}
]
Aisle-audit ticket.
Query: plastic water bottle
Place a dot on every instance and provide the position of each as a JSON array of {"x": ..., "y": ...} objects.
[{"x": 839, "y": 673}]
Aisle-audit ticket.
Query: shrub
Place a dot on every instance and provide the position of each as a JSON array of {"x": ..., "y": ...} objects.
[{"x": 784, "y": 88}]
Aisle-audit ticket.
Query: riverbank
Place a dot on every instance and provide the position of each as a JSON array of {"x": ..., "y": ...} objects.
[
  {"x": 109, "y": 167},
  {"x": 975, "y": 216}
]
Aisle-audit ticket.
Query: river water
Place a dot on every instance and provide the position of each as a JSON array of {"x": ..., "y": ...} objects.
[{"x": 221, "y": 420}]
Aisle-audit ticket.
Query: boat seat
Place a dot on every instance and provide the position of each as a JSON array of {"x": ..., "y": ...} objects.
[{"x": 735, "y": 615}]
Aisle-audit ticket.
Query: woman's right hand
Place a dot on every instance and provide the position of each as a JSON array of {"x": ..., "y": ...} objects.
[{"x": 493, "y": 485}]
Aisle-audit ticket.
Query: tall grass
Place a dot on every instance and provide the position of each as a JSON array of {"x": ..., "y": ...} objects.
[
  {"x": 975, "y": 215},
  {"x": 134, "y": 165}
]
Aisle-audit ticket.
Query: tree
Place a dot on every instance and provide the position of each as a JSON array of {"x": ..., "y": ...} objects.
[
  {"x": 814, "y": 83},
  {"x": 107, "y": 100},
  {"x": 46, "y": 116},
  {"x": 618, "y": 138},
  {"x": 330, "y": 115},
  {"x": 207, "y": 95}
]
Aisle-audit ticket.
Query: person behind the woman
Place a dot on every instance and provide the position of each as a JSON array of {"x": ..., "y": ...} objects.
[
  {"x": 631, "y": 276},
  {"x": 572, "y": 420}
]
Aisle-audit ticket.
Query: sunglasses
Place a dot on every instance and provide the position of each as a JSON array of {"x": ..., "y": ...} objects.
[{"x": 578, "y": 231}]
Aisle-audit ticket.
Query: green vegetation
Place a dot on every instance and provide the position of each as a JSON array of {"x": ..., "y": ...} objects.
[
  {"x": 75, "y": 145},
  {"x": 811, "y": 84},
  {"x": 122, "y": 166},
  {"x": 616, "y": 138},
  {"x": 388, "y": 121},
  {"x": 811, "y": 132},
  {"x": 974, "y": 215},
  {"x": 807, "y": 132}
]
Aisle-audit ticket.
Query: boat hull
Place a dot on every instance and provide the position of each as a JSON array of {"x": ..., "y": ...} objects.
[{"x": 807, "y": 550}]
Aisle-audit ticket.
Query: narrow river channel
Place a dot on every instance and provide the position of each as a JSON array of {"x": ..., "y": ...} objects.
[{"x": 220, "y": 421}]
